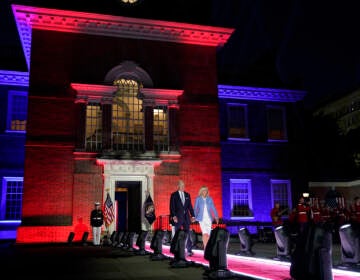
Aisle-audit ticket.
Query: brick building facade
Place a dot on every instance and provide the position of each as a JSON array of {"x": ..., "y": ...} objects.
[{"x": 72, "y": 55}]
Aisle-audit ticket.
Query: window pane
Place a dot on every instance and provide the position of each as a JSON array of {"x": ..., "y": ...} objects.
[
  {"x": 241, "y": 203},
  {"x": 17, "y": 113},
  {"x": 13, "y": 188},
  {"x": 237, "y": 121},
  {"x": 127, "y": 118},
  {"x": 126, "y": 130},
  {"x": 160, "y": 128},
  {"x": 276, "y": 123},
  {"x": 93, "y": 127},
  {"x": 281, "y": 193}
]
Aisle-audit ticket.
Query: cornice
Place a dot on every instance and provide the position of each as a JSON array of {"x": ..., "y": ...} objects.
[
  {"x": 94, "y": 93},
  {"x": 261, "y": 94},
  {"x": 14, "y": 78},
  {"x": 128, "y": 166},
  {"x": 155, "y": 93},
  {"x": 104, "y": 93},
  {"x": 93, "y": 89},
  {"x": 28, "y": 17}
]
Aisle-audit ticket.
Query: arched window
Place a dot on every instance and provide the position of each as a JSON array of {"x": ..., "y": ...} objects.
[{"x": 125, "y": 118}]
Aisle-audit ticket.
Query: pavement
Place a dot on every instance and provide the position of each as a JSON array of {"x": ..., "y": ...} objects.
[
  {"x": 85, "y": 261},
  {"x": 76, "y": 261}
]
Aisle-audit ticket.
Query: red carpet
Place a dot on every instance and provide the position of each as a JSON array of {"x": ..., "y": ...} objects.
[{"x": 259, "y": 268}]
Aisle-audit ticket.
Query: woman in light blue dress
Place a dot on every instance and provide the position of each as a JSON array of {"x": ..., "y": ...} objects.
[{"x": 205, "y": 213}]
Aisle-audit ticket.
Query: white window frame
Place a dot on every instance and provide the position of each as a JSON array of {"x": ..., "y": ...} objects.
[
  {"x": 3, "y": 201},
  {"x": 233, "y": 183},
  {"x": 93, "y": 142},
  {"x": 288, "y": 190}
]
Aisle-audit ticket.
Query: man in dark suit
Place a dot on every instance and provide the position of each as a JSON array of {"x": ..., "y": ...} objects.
[{"x": 182, "y": 212}]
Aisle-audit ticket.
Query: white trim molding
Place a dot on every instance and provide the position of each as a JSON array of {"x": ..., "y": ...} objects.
[
  {"x": 27, "y": 18},
  {"x": 14, "y": 78},
  {"x": 261, "y": 94}
]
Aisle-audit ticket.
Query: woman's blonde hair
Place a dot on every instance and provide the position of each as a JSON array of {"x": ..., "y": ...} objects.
[{"x": 204, "y": 188}]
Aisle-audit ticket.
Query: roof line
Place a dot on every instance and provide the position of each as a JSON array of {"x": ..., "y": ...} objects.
[{"x": 28, "y": 17}]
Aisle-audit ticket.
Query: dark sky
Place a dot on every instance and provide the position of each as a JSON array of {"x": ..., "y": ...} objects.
[
  {"x": 11, "y": 56},
  {"x": 311, "y": 44},
  {"x": 301, "y": 44}
]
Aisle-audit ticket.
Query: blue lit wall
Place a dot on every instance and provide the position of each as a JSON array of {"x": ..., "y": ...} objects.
[
  {"x": 12, "y": 145},
  {"x": 257, "y": 159}
]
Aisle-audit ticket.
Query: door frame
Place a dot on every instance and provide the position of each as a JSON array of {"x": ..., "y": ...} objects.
[{"x": 129, "y": 170}]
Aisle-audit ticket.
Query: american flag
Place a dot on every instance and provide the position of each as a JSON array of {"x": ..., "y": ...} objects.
[{"x": 109, "y": 214}]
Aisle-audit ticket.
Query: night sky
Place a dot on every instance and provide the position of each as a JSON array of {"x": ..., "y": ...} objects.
[
  {"x": 308, "y": 45},
  {"x": 313, "y": 45}
]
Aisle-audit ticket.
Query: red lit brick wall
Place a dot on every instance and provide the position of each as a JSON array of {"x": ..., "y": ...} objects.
[
  {"x": 61, "y": 58},
  {"x": 42, "y": 234},
  {"x": 201, "y": 166},
  {"x": 199, "y": 124},
  {"x": 48, "y": 191},
  {"x": 48, "y": 182},
  {"x": 51, "y": 119},
  {"x": 88, "y": 188}
]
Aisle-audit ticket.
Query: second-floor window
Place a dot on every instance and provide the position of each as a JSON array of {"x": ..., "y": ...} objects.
[
  {"x": 124, "y": 125},
  {"x": 127, "y": 117},
  {"x": 160, "y": 128},
  {"x": 17, "y": 111},
  {"x": 276, "y": 123},
  {"x": 93, "y": 130},
  {"x": 237, "y": 121}
]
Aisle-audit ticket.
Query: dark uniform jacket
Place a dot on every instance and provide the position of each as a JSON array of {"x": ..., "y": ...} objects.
[{"x": 96, "y": 218}]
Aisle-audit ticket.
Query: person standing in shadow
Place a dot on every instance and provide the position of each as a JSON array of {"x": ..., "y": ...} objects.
[{"x": 182, "y": 212}]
